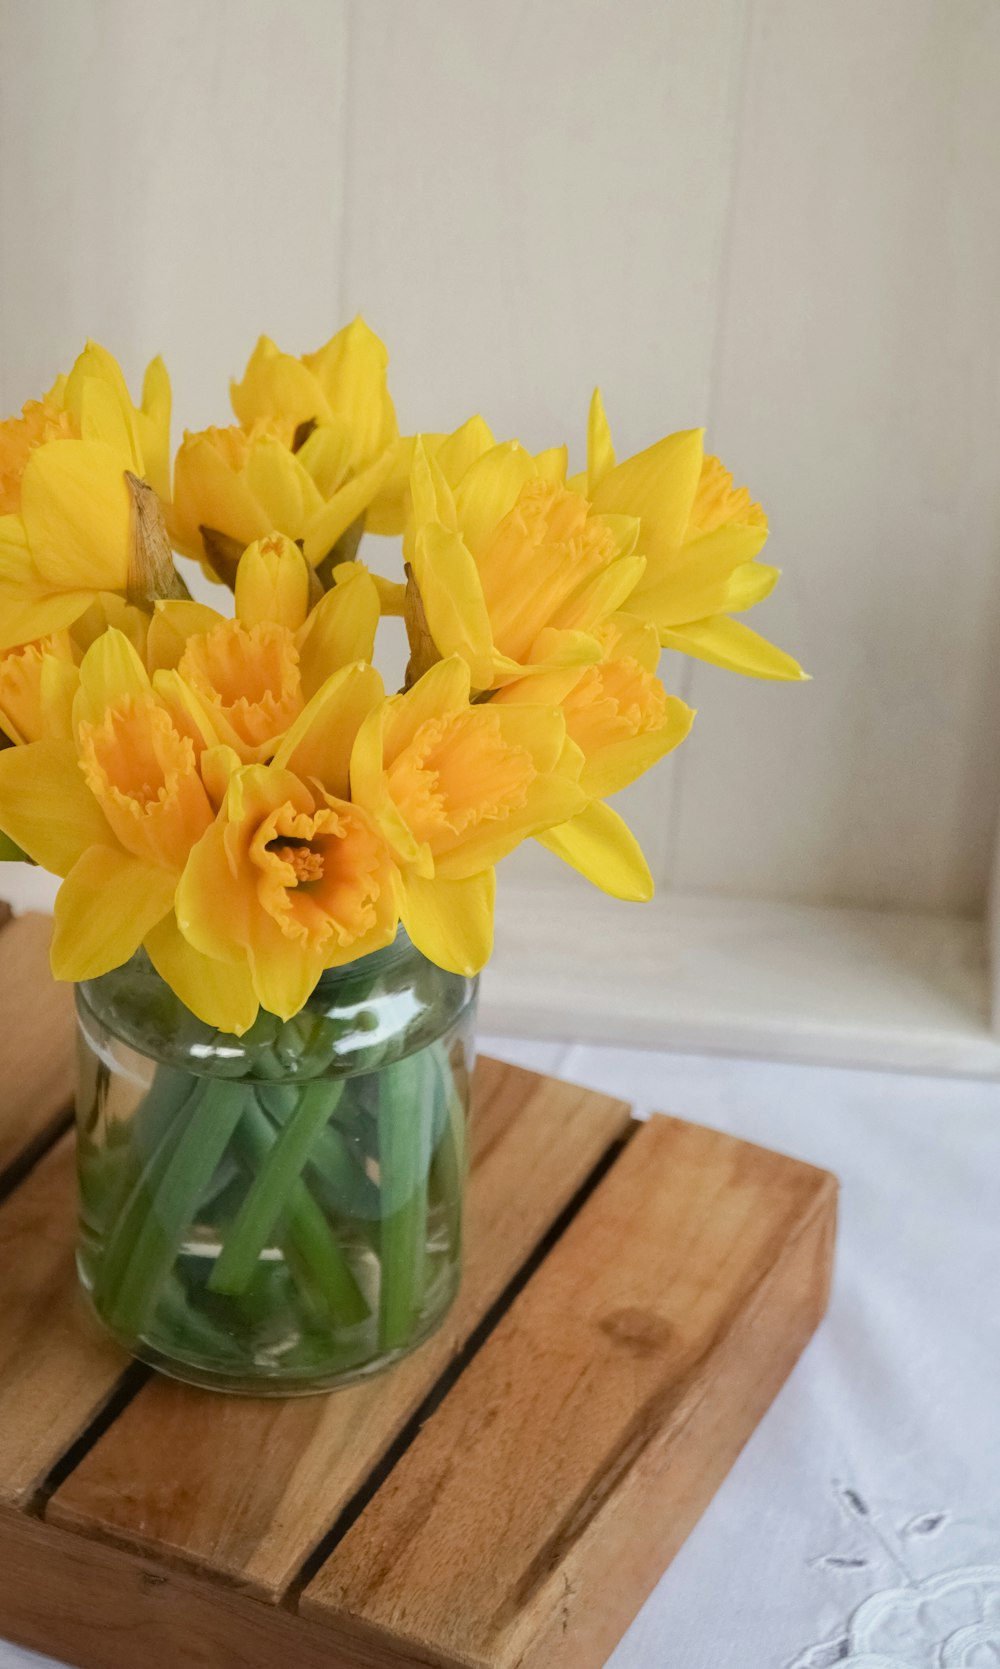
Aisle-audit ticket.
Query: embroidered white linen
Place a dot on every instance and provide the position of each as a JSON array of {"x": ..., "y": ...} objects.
[{"x": 860, "y": 1528}]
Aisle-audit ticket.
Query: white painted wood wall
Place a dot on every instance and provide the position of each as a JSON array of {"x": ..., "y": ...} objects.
[{"x": 778, "y": 217}]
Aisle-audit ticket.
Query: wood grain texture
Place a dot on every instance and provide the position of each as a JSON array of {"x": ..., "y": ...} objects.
[
  {"x": 173, "y": 1474},
  {"x": 561, "y": 1473},
  {"x": 56, "y": 1369},
  {"x": 101, "y": 1608},
  {"x": 37, "y": 1041}
]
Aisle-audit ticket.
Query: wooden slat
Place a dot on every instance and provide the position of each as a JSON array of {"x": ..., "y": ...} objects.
[
  {"x": 56, "y": 1369},
  {"x": 246, "y": 1488},
  {"x": 535, "y": 1510},
  {"x": 37, "y": 1047},
  {"x": 101, "y": 1608}
]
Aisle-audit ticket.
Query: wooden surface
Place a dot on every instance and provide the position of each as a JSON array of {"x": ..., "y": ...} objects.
[
  {"x": 577, "y": 1412},
  {"x": 535, "y": 1142},
  {"x": 505, "y": 1497},
  {"x": 37, "y": 1051}
]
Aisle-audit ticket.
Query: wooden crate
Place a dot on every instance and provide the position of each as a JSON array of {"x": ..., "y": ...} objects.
[{"x": 634, "y": 1296}]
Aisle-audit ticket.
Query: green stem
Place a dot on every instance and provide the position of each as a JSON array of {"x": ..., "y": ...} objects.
[
  {"x": 310, "y": 1239},
  {"x": 175, "y": 1197},
  {"x": 448, "y": 1165},
  {"x": 159, "y": 1120},
  {"x": 269, "y": 1193},
  {"x": 405, "y": 1115}
]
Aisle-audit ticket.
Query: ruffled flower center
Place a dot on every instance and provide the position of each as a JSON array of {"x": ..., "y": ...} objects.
[
  {"x": 248, "y": 676},
  {"x": 456, "y": 773},
  {"x": 143, "y": 774},
  {"x": 318, "y": 873},
  {"x": 612, "y": 702},
  {"x": 717, "y": 502}
]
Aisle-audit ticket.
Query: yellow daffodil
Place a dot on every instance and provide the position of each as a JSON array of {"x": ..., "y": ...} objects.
[
  {"x": 115, "y": 808},
  {"x": 513, "y": 569},
  {"x": 254, "y": 674},
  {"x": 38, "y": 682},
  {"x": 455, "y": 787},
  {"x": 67, "y": 521},
  {"x": 700, "y": 536},
  {"x": 314, "y": 442},
  {"x": 621, "y": 718},
  {"x": 291, "y": 878}
]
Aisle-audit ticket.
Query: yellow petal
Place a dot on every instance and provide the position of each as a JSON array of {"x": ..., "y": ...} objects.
[
  {"x": 458, "y": 451},
  {"x": 219, "y": 993},
  {"x": 452, "y": 594},
  {"x": 602, "y": 595},
  {"x": 23, "y": 619},
  {"x": 318, "y": 746},
  {"x": 729, "y": 643},
  {"x": 110, "y": 669},
  {"x": 213, "y": 910},
  {"x": 209, "y": 492},
  {"x": 336, "y": 516},
  {"x": 281, "y": 486},
  {"x": 277, "y": 385},
  {"x": 370, "y": 790},
  {"x": 104, "y": 909},
  {"x": 601, "y": 846},
  {"x": 46, "y": 807},
  {"x": 339, "y": 631},
  {"x": 600, "y": 452},
  {"x": 694, "y": 583},
  {"x": 188, "y": 712},
  {"x": 551, "y": 465},
  {"x": 154, "y": 427},
  {"x": 658, "y": 485},
  {"x": 272, "y": 583},
  {"x": 77, "y": 509},
  {"x": 749, "y": 585},
  {"x": 351, "y": 369},
  {"x": 444, "y": 688},
  {"x": 58, "y": 684},
  {"x": 451, "y": 922},
  {"x": 171, "y": 626},
  {"x": 490, "y": 488},
  {"x": 97, "y": 394},
  {"x": 218, "y": 766},
  {"x": 284, "y": 973}
]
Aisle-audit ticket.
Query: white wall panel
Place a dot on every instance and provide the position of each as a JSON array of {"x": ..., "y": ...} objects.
[
  {"x": 171, "y": 179},
  {"x": 859, "y": 392}
]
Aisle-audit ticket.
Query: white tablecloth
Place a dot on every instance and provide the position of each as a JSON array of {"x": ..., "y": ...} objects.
[{"x": 861, "y": 1525}]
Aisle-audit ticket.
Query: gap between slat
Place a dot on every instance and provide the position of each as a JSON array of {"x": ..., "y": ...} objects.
[{"x": 453, "y": 1372}]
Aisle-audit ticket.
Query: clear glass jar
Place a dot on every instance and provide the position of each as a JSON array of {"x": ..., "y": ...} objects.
[{"x": 280, "y": 1212}]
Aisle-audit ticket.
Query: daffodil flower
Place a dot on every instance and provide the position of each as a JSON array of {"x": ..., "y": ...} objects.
[
  {"x": 314, "y": 442},
  {"x": 513, "y": 569},
  {"x": 115, "y": 809},
  {"x": 455, "y": 787},
  {"x": 619, "y": 715},
  {"x": 700, "y": 536},
  {"x": 38, "y": 682},
  {"x": 66, "y": 511},
  {"x": 291, "y": 878},
  {"x": 254, "y": 674}
]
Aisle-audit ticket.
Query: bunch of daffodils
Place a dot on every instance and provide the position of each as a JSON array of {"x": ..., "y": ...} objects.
[{"x": 233, "y": 789}]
